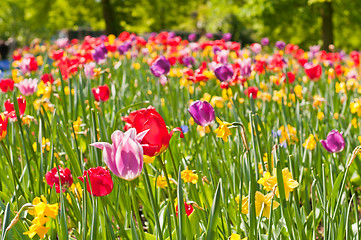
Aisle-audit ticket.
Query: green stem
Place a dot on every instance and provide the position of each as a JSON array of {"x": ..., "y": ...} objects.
[
  {"x": 136, "y": 209},
  {"x": 169, "y": 193}
]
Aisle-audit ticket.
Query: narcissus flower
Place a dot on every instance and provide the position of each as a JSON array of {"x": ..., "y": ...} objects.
[
  {"x": 157, "y": 138},
  {"x": 310, "y": 142},
  {"x": 244, "y": 204},
  {"x": 101, "y": 93},
  {"x": 223, "y": 130},
  {"x": 289, "y": 183},
  {"x": 52, "y": 177},
  {"x": 189, "y": 176},
  {"x": 334, "y": 142},
  {"x": 235, "y": 236},
  {"x": 265, "y": 202},
  {"x": 202, "y": 113},
  {"x": 124, "y": 156},
  {"x": 100, "y": 180}
]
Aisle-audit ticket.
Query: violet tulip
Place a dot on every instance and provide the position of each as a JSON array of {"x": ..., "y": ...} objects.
[
  {"x": 224, "y": 72},
  {"x": 227, "y": 37},
  {"x": 334, "y": 142},
  {"x": 202, "y": 113},
  {"x": 264, "y": 41},
  {"x": 124, "y": 157},
  {"x": 160, "y": 68},
  {"x": 28, "y": 86},
  {"x": 280, "y": 45}
]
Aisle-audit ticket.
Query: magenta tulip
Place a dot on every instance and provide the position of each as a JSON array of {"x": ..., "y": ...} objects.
[{"x": 334, "y": 142}]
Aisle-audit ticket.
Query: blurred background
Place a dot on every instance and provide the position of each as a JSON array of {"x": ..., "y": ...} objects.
[{"x": 302, "y": 22}]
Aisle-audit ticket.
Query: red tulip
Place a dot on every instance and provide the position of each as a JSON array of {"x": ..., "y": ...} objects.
[
  {"x": 313, "y": 71},
  {"x": 3, "y": 126},
  {"x": 6, "y": 85},
  {"x": 251, "y": 90},
  {"x": 291, "y": 77},
  {"x": 101, "y": 93},
  {"x": 100, "y": 180},
  {"x": 188, "y": 207},
  {"x": 9, "y": 107},
  {"x": 52, "y": 178},
  {"x": 47, "y": 77},
  {"x": 157, "y": 139}
]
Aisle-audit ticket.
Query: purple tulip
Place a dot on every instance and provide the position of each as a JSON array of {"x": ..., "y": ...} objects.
[
  {"x": 202, "y": 113},
  {"x": 192, "y": 37},
  {"x": 28, "y": 86},
  {"x": 188, "y": 61},
  {"x": 160, "y": 67},
  {"x": 245, "y": 66},
  {"x": 124, "y": 157},
  {"x": 280, "y": 45},
  {"x": 171, "y": 35},
  {"x": 122, "y": 49},
  {"x": 227, "y": 36},
  {"x": 209, "y": 35},
  {"x": 265, "y": 41},
  {"x": 334, "y": 142},
  {"x": 99, "y": 53},
  {"x": 224, "y": 72}
]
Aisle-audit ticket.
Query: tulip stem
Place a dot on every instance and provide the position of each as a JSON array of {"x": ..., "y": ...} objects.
[
  {"x": 169, "y": 193},
  {"x": 136, "y": 208}
]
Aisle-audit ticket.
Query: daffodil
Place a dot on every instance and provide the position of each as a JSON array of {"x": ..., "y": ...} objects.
[
  {"x": 223, "y": 130},
  {"x": 244, "y": 205},
  {"x": 265, "y": 201},
  {"x": 310, "y": 143},
  {"x": 289, "y": 183},
  {"x": 189, "y": 176}
]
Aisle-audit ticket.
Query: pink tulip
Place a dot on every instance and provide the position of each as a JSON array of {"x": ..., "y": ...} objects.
[
  {"x": 28, "y": 86},
  {"x": 124, "y": 156}
]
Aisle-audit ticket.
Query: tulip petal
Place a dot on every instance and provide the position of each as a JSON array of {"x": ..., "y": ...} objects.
[
  {"x": 141, "y": 135},
  {"x": 177, "y": 129},
  {"x": 117, "y": 137},
  {"x": 107, "y": 155}
]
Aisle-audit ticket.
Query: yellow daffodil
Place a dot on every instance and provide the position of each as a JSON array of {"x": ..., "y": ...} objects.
[
  {"x": 310, "y": 143},
  {"x": 265, "y": 202},
  {"x": 244, "y": 205},
  {"x": 223, "y": 130},
  {"x": 189, "y": 176}
]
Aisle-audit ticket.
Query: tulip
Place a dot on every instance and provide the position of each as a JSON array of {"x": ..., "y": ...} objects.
[
  {"x": 224, "y": 72},
  {"x": 160, "y": 67},
  {"x": 100, "y": 53},
  {"x": 192, "y": 37},
  {"x": 251, "y": 90},
  {"x": 9, "y": 107},
  {"x": 188, "y": 208},
  {"x": 6, "y": 85},
  {"x": 256, "y": 48},
  {"x": 124, "y": 156},
  {"x": 3, "y": 126},
  {"x": 264, "y": 41},
  {"x": 157, "y": 139},
  {"x": 202, "y": 113},
  {"x": 28, "y": 87},
  {"x": 47, "y": 77},
  {"x": 52, "y": 178},
  {"x": 334, "y": 142},
  {"x": 100, "y": 180},
  {"x": 101, "y": 93},
  {"x": 313, "y": 71},
  {"x": 209, "y": 35},
  {"x": 280, "y": 45},
  {"x": 227, "y": 36}
]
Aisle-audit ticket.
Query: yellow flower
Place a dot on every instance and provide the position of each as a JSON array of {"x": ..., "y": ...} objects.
[
  {"x": 148, "y": 159},
  {"x": 189, "y": 176},
  {"x": 223, "y": 130},
  {"x": 136, "y": 66},
  {"x": 298, "y": 91},
  {"x": 235, "y": 236},
  {"x": 37, "y": 229},
  {"x": 77, "y": 125},
  {"x": 203, "y": 130},
  {"x": 354, "y": 122},
  {"x": 310, "y": 142},
  {"x": 336, "y": 115},
  {"x": 217, "y": 102},
  {"x": 359, "y": 139},
  {"x": 244, "y": 204},
  {"x": 340, "y": 87},
  {"x": 45, "y": 144},
  {"x": 317, "y": 101},
  {"x": 44, "y": 90},
  {"x": 267, "y": 185},
  {"x": 288, "y": 182},
  {"x": 288, "y": 134},
  {"x": 162, "y": 181},
  {"x": 265, "y": 202},
  {"x": 320, "y": 116}
]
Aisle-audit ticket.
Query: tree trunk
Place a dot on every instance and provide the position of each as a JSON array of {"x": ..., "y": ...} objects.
[
  {"x": 108, "y": 14},
  {"x": 327, "y": 25}
]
